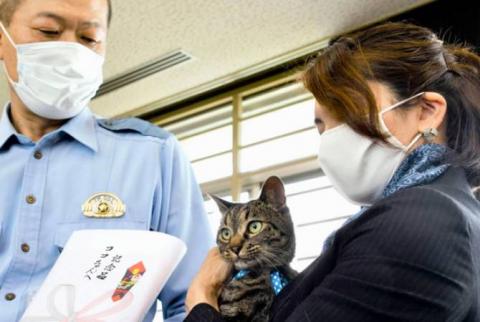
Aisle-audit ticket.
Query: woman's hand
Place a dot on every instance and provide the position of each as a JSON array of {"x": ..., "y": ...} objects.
[{"x": 206, "y": 286}]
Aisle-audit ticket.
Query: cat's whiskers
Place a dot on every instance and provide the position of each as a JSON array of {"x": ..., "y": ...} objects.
[
  {"x": 250, "y": 252},
  {"x": 271, "y": 259},
  {"x": 253, "y": 249}
]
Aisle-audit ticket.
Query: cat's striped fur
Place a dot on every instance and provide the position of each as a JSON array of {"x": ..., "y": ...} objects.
[{"x": 257, "y": 236}]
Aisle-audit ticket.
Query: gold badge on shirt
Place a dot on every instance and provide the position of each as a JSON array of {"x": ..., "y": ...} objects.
[{"x": 103, "y": 205}]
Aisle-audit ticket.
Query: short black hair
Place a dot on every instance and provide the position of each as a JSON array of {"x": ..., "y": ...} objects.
[{"x": 8, "y": 7}]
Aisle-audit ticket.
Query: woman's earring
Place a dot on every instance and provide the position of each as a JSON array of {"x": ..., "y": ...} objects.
[{"x": 429, "y": 134}]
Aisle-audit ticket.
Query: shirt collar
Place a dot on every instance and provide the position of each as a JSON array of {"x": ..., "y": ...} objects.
[
  {"x": 6, "y": 128},
  {"x": 81, "y": 128}
]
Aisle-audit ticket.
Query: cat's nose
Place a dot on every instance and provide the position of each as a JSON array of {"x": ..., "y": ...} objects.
[{"x": 236, "y": 249}]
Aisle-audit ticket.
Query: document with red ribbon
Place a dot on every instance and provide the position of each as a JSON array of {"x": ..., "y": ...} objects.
[{"x": 106, "y": 276}]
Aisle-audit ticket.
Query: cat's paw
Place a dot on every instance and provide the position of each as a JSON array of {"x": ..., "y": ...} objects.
[
  {"x": 229, "y": 310},
  {"x": 231, "y": 295}
]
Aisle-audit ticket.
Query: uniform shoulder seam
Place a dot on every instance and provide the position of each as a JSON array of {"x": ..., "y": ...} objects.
[{"x": 134, "y": 125}]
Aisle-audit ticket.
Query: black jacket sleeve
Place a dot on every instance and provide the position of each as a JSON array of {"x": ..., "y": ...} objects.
[
  {"x": 204, "y": 313},
  {"x": 407, "y": 258}
]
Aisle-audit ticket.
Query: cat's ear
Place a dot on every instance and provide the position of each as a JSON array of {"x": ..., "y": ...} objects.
[
  {"x": 273, "y": 193},
  {"x": 223, "y": 205}
]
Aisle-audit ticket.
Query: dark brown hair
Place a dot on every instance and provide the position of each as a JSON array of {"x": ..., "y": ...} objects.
[
  {"x": 8, "y": 7},
  {"x": 409, "y": 59}
]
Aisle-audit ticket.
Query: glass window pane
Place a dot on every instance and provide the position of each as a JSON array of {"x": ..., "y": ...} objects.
[
  {"x": 274, "y": 98},
  {"x": 319, "y": 181},
  {"x": 209, "y": 143},
  {"x": 323, "y": 204},
  {"x": 286, "y": 120},
  {"x": 213, "y": 168},
  {"x": 213, "y": 214},
  {"x": 310, "y": 241},
  {"x": 214, "y": 118},
  {"x": 289, "y": 148},
  {"x": 317, "y": 210}
]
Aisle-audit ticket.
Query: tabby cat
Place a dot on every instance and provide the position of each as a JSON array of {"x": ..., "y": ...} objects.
[{"x": 258, "y": 239}]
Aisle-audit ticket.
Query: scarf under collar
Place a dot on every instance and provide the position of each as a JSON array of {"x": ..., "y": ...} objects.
[{"x": 422, "y": 166}]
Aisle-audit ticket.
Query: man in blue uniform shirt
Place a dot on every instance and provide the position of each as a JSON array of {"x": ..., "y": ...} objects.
[{"x": 62, "y": 170}]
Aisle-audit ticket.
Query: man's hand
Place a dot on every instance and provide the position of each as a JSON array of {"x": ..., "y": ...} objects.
[{"x": 207, "y": 284}]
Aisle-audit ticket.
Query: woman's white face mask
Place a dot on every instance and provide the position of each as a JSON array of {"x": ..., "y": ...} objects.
[{"x": 360, "y": 167}]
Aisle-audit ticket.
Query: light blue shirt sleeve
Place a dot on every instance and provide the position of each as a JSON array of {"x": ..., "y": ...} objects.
[{"x": 179, "y": 211}]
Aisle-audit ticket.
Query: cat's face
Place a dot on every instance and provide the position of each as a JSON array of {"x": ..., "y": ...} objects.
[{"x": 257, "y": 234}]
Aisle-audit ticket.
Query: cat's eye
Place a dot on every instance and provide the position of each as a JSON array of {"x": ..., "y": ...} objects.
[
  {"x": 255, "y": 227},
  {"x": 225, "y": 234}
]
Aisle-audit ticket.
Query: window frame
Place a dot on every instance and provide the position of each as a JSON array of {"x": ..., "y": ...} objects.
[{"x": 241, "y": 181}]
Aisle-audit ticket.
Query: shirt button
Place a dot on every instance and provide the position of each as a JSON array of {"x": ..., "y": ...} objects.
[
  {"x": 38, "y": 155},
  {"x": 10, "y": 297},
  {"x": 30, "y": 199},
  {"x": 25, "y": 248}
]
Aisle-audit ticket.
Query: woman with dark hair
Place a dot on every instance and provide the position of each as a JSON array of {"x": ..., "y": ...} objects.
[{"x": 398, "y": 113}]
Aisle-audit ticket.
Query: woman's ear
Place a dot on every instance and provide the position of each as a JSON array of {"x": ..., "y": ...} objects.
[{"x": 433, "y": 112}]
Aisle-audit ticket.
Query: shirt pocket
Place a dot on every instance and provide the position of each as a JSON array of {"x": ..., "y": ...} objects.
[{"x": 65, "y": 230}]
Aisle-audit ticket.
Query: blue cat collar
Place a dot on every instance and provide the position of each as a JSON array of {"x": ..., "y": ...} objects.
[{"x": 277, "y": 279}]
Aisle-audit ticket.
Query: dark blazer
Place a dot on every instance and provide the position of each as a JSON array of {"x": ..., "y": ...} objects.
[{"x": 414, "y": 256}]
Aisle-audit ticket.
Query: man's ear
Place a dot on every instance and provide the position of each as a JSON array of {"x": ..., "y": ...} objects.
[{"x": 433, "y": 112}]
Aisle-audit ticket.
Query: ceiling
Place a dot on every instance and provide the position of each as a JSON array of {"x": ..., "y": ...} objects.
[{"x": 228, "y": 39}]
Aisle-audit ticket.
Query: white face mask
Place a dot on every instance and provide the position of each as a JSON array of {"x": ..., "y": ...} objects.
[
  {"x": 56, "y": 80},
  {"x": 360, "y": 167},
  {"x": 391, "y": 138}
]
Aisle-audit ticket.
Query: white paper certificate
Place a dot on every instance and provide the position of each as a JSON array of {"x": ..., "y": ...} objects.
[{"x": 106, "y": 276}]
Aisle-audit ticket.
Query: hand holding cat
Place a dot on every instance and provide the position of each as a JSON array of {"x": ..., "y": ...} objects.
[{"x": 207, "y": 284}]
